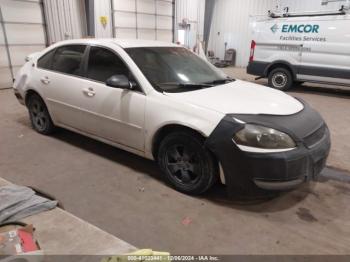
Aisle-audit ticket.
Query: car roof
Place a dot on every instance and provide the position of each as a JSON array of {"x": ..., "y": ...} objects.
[{"x": 124, "y": 43}]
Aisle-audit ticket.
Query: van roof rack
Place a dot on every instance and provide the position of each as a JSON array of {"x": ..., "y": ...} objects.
[{"x": 342, "y": 11}]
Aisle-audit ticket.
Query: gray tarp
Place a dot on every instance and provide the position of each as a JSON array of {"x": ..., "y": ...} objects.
[{"x": 17, "y": 202}]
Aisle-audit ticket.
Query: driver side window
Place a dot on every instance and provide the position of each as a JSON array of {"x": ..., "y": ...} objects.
[{"x": 103, "y": 64}]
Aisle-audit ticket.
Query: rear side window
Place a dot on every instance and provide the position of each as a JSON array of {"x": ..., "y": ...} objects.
[
  {"x": 45, "y": 62},
  {"x": 103, "y": 64},
  {"x": 68, "y": 59}
]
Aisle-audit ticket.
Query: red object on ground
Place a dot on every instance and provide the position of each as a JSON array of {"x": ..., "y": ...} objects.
[
  {"x": 186, "y": 221},
  {"x": 28, "y": 243}
]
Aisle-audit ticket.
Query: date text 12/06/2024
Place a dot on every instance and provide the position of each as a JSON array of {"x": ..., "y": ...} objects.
[{"x": 173, "y": 258}]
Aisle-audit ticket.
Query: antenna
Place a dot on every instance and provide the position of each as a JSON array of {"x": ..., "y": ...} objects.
[{"x": 286, "y": 14}]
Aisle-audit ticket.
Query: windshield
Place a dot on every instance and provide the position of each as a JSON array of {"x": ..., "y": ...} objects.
[{"x": 176, "y": 69}]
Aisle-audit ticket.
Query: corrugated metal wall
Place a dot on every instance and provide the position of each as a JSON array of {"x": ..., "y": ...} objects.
[
  {"x": 65, "y": 19},
  {"x": 232, "y": 17},
  {"x": 193, "y": 12}
]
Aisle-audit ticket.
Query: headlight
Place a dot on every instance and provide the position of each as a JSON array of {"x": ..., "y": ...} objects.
[{"x": 263, "y": 138}]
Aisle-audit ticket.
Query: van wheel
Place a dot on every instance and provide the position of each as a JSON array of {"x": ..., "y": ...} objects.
[
  {"x": 39, "y": 115},
  {"x": 281, "y": 79},
  {"x": 187, "y": 165}
]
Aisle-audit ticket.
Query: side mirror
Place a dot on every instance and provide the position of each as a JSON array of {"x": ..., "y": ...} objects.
[{"x": 120, "y": 81}]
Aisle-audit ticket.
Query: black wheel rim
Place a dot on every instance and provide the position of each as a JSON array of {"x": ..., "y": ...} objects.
[
  {"x": 183, "y": 164},
  {"x": 38, "y": 114}
]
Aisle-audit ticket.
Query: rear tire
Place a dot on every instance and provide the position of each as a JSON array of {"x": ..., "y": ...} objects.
[
  {"x": 39, "y": 115},
  {"x": 281, "y": 79},
  {"x": 187, "y": 165}
]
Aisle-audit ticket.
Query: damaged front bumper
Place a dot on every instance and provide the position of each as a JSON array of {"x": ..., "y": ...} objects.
[{"x": 272, "y": 171}]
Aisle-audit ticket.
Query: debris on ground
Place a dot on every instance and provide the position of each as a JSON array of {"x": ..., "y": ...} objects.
[{"x": 186, "y": 221}]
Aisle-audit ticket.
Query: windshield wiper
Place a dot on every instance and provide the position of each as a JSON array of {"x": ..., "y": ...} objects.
[
  {"x": 195, "y": 85},
  {"x": 188, "y": 85},
  {"x": 220, "y": 81}
]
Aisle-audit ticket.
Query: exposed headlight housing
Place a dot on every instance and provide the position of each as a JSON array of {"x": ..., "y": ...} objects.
[{"x": 260, "y": 137}]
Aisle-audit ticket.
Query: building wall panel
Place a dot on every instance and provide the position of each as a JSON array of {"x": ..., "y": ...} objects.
[
  {"x": 125, "y": 33},
  {"x": 103, "y": 8},
  {"x": 164, "y": 22},
  {"x": 19, "y": 34},
  {"x": 124, "y": 5},
  {"x": 143, "y": 19},
  {"x": 21, "y": 11},
  {"x": 164, "y": 8},
  {"x": 147, "y": 34},
  {"x": 124, "y": 19},
  {"x": 19, "y": 53},
  {"x": 22, "y": 24},
  {"x": 146, "y": 6},
  {"x": 146, "y": 21},
  {"x": 165, "y": 35}
]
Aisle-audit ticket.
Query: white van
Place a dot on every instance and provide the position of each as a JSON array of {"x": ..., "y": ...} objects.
[{"x": 311, "y": 47}]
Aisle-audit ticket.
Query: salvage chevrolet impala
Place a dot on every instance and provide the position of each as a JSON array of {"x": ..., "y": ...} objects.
[{"x": 163, "y": 102}]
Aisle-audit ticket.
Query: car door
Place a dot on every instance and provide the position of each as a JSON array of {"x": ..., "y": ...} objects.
[
  {"x": 112, "y": 113},
  {"x": 60, "y": 76}
]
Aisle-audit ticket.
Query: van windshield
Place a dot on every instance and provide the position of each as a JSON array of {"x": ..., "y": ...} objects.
[{"x": 176, "y": 69}]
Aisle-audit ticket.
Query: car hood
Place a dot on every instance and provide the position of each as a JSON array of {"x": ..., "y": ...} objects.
[{"x": 240, "y": 97}]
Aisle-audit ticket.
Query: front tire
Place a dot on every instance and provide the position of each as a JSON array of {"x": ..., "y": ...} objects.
[
  {"x": 39, "y": 115},
  {"x": 187, "y": 165},
  {"x": 281, "y": 79}
]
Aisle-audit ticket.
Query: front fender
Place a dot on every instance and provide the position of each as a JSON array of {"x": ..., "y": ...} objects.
[{"x": 163, "y": 111}]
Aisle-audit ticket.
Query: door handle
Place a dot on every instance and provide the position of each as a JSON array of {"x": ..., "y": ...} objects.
[
  {"x": 89, "y": 92},
  {"x": 45, "y": 80}
]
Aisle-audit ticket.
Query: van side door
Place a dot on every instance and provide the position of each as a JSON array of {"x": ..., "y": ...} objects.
[
  {"x": 326, "y": 53},
  {"x": 278, "y": 43}
]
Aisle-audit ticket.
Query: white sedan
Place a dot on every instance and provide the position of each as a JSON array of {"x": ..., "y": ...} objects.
[{"x": 163, "y": 102}]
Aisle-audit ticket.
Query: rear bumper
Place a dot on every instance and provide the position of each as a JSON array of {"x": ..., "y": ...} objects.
[{"x": 257, "y": 68}]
